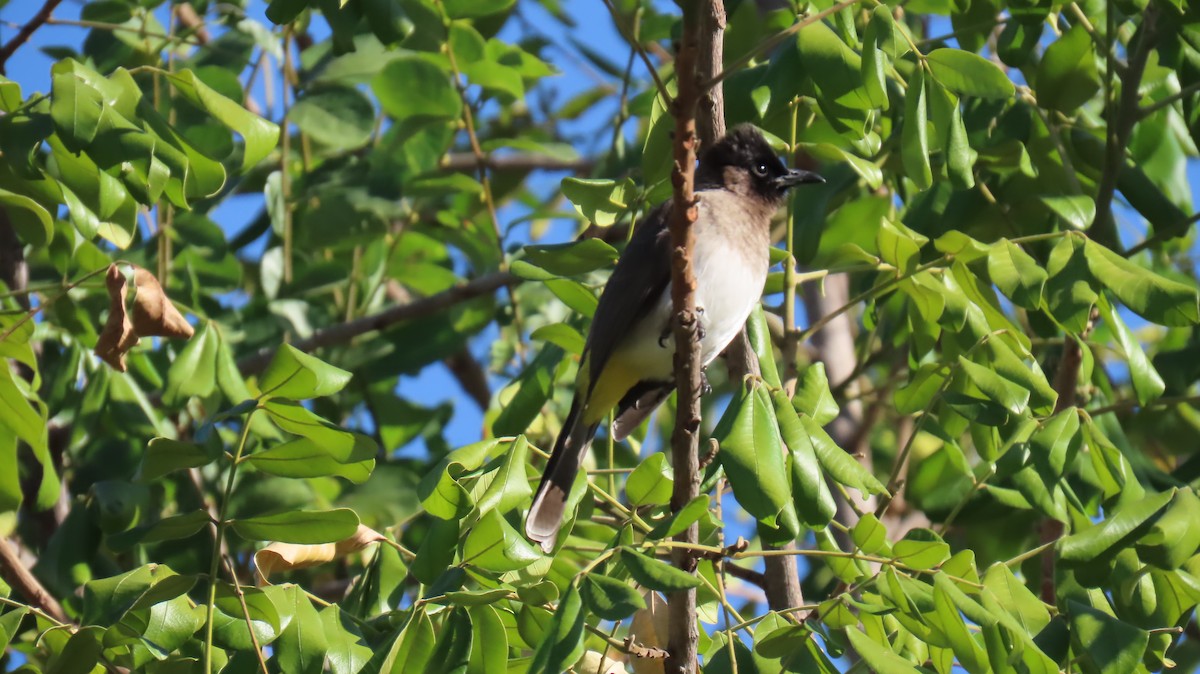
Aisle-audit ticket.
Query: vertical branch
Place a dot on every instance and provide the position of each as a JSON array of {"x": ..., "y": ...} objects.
[
  {"x": 1120, "y": 125},
  {"x": 285, "y": 181},
  {"x": 682, "y": 631}
]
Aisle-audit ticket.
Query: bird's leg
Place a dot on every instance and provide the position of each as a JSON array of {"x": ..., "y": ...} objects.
[{"x": 705, "y": 387}]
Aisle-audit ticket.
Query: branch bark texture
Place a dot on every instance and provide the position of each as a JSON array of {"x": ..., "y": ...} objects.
[{"x": 682, "y": 631}]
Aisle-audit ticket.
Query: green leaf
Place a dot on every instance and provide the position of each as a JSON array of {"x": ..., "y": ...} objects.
[
  {"x": 656, "y": 575},
  {"x": 295, "y": 419},
  {"x": 572, "y": 259},
  {"x": 164, "y": 456},
  {"x": 260, "y": 135},
  {"x": 837, "y": 463},
  {"x": 303, "y": 457},
  {"x": 108, "y": 600},
  {"x": 650, "y": 483},
  {"x": 440, "y": 493},
  {"x": 1147, "y": 382},
  {"x": 879, "y": 658},
  {"x": 1010, "y": 594},
  {"x": 600, "y": 201},
  {"x": 1174, "y": 538},
  {"x": 75, "y": 106},
  {"x": 81, "y": 652},
  {"x": 468, "y": 9},
  {"x": 874, "y": 67},
  {"x": 1110, "y": 536},
  {"x": 295, "y": 375},
  {"x": 914, "y": 139},
  {"x": 347, "y": 651},
  {"x": 899, "y": 246},
  {"x": 918, "y": 393},
  {"x": 497, "y": 79},
  {"x": 304, "y": 527},
  {"x": 1025, "y": 372},
  {"x": 411, "y": 87},
  {"x": 968, "y": 74},
  {"x": 813, "y": 396},
  {"x": 489, "y": 652},
  {"x": 833, "y": 65},
  {"x": 999, "y": 390},
  {"x": 452, "y": 652},
  {"x": 24, "y": 418},
  {"x": 509, "y": 486},
  {"x": 10, "y": 622},
  {"x": 562, "y": 641},
  {"x": 1016, "y": 274},
  {"x": 1067, "y": 76},
  {"x": 1076, "y": 211},
  {"x": 335, "y": 115},
  {"x": 752, "y": 455},
  {"x": 759, "y": 336},
  {"x": 688, "y": 515},
  {"x": 1149, "y": 295},
  {"x": 411, "y": 648},
  {"x": 29, "y": 218},
  {"x": 921, "y": 549},
  {"x": 1108, "y": 645},
  {"x": 561, "y": 335},
  {"x": 574, "y": 295},
  {"x": 302, "y": 645},
  {"x": 533, "y": 389},
  {"x": 810, "y": 493},
  {"x": 870, "y": 535},
  {"x": 194, "y": 370},
  {"x": 962, "y": 247},
  {"x": 493, "y": 544},
  {"x": 609, "y": 598},
  {"x": 167, "y": 529}
]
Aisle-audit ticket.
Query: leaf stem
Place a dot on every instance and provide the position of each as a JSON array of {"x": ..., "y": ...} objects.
[{"x": 214, "y": 564}]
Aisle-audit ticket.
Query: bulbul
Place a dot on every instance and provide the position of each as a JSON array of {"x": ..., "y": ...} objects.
[{"x": 628, "y": 359}]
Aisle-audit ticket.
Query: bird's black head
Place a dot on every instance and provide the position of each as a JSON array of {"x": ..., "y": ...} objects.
[{"x": 743, "y": 161}]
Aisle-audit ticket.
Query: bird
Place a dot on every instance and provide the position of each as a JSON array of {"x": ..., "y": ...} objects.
[{"x": 628, "y": 357}]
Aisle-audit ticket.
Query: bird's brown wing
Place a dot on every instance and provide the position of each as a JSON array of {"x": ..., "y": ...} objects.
[{"x": 640, "y": 278}]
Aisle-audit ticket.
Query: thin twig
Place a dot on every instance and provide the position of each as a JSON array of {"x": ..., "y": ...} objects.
[
  {"x": 344, "y": 332},
  {"x": 633, "y": 42},
  {"x": 773, "y": 41},
  {"x": 26, "y": 31}
]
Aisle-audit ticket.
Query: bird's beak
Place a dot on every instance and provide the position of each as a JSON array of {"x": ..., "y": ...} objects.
[{"x": 797, "y": 177}]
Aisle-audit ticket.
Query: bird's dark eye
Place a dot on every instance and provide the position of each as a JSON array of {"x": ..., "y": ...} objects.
[{"x": 760, "y": 170}]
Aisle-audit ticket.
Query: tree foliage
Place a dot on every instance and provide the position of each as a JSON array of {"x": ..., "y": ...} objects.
[{"x": 1005, "y": 483}]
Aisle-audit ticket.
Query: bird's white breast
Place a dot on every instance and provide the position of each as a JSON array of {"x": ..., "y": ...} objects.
[{"x": 729, "y": 282}]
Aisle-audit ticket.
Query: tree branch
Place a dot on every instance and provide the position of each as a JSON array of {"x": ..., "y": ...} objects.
[
  {"x": 467, "y": 161},
  {"x": 1122, "y": 125},
  {"x": 20, "y": 578},
  {"x": 26, "y": 32},
  {"x": 344, "y": 332},
  {"x": 683, "y": 635}
]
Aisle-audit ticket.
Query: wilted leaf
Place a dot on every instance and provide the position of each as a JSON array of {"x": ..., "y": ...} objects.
[
  {"x": 118, "y": 336},
  {"x": 289, "y": 556}
]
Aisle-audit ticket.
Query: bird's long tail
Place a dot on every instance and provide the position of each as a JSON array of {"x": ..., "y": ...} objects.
[{"x": 546, "y": 516}]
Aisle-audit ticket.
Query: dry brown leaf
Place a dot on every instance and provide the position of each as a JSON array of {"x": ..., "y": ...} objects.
[
  {"x": 288, "y": 556},
  {"x": 118, "y": 336},
  {"x": 153, "y": 313},
  {"x": 649, "y": 629}
]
